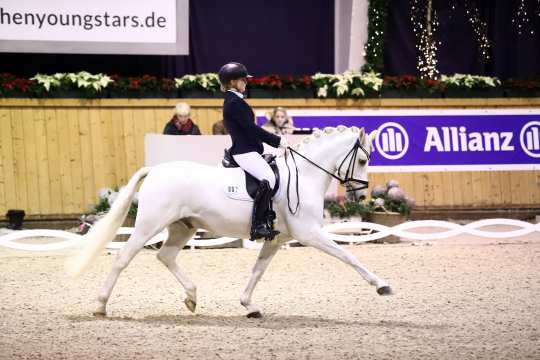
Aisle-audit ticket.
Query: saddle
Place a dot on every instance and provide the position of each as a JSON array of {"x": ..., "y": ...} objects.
[{"x": 252, "y": 183}]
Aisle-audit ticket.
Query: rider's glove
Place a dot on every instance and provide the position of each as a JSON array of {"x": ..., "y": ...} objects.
[{"x": 283, "y": 143}]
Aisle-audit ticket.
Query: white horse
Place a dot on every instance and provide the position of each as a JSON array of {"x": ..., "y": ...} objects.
[{"x": 185, "y": 196}]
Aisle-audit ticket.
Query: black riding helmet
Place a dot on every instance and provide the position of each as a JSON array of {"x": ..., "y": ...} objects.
[{"x": 232, "y": 71}]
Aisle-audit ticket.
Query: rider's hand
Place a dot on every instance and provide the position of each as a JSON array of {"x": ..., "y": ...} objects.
[{"x": 284, "y": 144}]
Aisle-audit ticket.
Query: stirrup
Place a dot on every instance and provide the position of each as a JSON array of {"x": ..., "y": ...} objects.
[{"x": 263, "y": 231}]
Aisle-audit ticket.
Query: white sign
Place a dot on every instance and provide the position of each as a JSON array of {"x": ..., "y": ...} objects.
[{"x": 77, "y": 26}]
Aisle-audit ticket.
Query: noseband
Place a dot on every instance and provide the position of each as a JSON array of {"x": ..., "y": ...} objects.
[{"x": 348, "y": 180}]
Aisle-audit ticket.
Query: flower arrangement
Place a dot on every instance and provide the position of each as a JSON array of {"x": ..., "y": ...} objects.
[
  {"x": 10, "y": 85},
  {"x": 410, "y": 82},
  {"x": 347, "y": 209},
  {"x": 142, "y": 84},
  {"x": 94, "y": 83},
  {"x": 349, "y": 84},
  {"x": 207, "y": 81},
  {"x": 384, "y": 199},
  {"x": 106, "y": 198},
  {"x": 469, "y": 81},
  {"x": 390, "y": 198}
]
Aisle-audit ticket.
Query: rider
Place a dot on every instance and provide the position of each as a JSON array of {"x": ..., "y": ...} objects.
[{"x": 247, "y": 144}]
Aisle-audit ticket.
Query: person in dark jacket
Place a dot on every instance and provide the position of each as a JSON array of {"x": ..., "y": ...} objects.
[
  {"x": 181, "y": 123},
  {"x": 247, "y": 145}
]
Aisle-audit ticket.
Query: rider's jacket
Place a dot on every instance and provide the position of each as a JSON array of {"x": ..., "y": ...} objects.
[{"x": 239, "y": 120}]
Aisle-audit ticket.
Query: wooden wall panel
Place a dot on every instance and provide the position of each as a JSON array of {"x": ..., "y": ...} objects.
[{"x": 56, "y": 154}]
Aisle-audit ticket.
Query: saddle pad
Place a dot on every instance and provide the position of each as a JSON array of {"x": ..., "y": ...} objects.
[
  {"x": 235, "y": 185},
  {"x": 236, "y": 188}
]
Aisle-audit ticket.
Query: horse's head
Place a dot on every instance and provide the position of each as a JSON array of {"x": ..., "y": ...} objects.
[
  {"x": 352, "y": 167},
  {"x": 342, "y": 153}
]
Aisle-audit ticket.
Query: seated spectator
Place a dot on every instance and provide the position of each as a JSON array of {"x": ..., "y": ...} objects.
[
  {"x": 279, "y": 122},
  {"x": 219, "y": 128},
  {"x": 181, "y": 123}
]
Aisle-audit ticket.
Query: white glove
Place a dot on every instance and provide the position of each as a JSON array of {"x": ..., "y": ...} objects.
[{"x": 283, "y": 143}]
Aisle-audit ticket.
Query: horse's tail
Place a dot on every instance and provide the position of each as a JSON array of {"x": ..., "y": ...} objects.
[{"x": 105, "y": 229}]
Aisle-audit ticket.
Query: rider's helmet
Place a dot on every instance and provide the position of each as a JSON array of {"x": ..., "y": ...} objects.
[{"x": 232, "y": 71}]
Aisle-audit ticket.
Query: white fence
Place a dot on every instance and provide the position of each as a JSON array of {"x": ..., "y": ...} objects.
[{"x": 347, "y": 232}]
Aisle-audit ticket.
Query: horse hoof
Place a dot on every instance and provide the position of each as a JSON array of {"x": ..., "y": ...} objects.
[
  {"x": 99, "y": 313},
  {"x": 384, "y": 290},
  {"x": 254, "y": 315},
  {"x": 190, "y": 304}
]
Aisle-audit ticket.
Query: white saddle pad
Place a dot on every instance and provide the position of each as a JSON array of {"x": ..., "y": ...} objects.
[{"x": 235, "y": 185}]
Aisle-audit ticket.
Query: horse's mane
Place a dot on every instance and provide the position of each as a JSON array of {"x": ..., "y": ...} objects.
[{"x": 326, "y": 132}]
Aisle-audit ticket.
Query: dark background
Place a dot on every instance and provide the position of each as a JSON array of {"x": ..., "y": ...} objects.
[
  {"x": 278, "y": 36},
  {"x": 512, "y": 54},
  {"x": 297, "y": 37}
]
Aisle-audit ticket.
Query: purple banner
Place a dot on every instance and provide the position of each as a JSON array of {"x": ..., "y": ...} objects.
[{"x": 453, "y": 139}]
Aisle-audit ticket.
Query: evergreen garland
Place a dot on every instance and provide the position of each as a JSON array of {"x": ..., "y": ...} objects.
[{"x": 374, "y": 48}]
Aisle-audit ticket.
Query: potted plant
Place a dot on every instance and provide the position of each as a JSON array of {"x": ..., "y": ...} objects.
[
  {"x": 522, "y": 88},
  {"x": 470, "y": 86},
  {"x": 106, "y": 198},
  {"x": 345, "y": 210},
  {"x": 265, "y": 87},
  {"x": 409, "y": 86},
  {"x": 12, "y": 86},
  {"x": 350, "y": 84},
  {"x": 199, "y": 86},
  {"x": 389, "y": 206},
  {"x": 73, "y": 85}
]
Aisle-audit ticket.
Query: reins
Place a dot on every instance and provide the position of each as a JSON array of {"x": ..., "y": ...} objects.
[{"x": 343, "y": 181}]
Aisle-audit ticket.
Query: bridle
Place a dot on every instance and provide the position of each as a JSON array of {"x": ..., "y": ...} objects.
[{"x": 348, "y": 180}]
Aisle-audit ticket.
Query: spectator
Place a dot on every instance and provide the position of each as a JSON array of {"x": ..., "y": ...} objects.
[
  {"x": 181, "y": 123},
  {"x": 219, "y": 128},
  {"x": 279, "y": 122}
]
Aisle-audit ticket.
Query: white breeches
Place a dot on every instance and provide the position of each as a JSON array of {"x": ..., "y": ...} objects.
[{"x": 254, "y": 164}]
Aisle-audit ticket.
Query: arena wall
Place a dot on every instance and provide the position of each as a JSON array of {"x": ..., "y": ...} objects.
[{"x": 55, "y": 154}]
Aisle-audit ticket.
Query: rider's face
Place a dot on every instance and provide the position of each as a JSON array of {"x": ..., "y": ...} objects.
[{"x": 239, "y": 84}]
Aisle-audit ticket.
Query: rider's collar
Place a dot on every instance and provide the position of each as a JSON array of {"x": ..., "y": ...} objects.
[{"x": 239, "y": 94}]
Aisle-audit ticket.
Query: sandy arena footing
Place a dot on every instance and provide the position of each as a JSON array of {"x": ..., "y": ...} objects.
[{"x": 457, "y": 299}]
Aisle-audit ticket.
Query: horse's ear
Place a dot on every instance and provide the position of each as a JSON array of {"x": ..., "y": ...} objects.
[
  {"x": 362, "y": 135},
  {"x": 372, "y": 136}
]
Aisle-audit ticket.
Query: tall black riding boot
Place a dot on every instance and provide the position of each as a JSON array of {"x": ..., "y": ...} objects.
[{"x": 263, "y": 216}]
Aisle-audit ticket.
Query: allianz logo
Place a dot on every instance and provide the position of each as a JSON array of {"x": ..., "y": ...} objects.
[
  {"x": 392, "y": 140},
  {"x": 455, "y": 138}
]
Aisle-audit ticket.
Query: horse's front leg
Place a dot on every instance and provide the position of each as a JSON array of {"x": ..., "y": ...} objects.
[
  {"x": 321, "y": 240},
  {"x": 268, "y": 251}
]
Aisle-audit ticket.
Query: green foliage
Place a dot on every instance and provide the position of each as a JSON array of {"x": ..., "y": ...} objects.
[
  {"x": 377, "y": 14},
  {"x": 347, "y": 209}
]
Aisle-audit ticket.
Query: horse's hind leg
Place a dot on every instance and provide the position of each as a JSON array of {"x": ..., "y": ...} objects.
[
  {"x": 143, "y": 232},
  {"x": 320, "y": 240},
  {"x": 179, "y": 235}
]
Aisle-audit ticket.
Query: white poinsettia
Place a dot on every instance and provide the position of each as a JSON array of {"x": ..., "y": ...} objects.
[
  {"x": 469, "y": 81},
  {"x": 82, "y": 79},
  {"x": 342, "y": 84},
  {"x": 358, "y": 92},
  {"x": 48, "y": 81},
  {"x": 185, "y": 80},
  {"x": 208, "y": 81},
  {"x": 350, "y": 83},
  {"x": 323, "y": 91}
]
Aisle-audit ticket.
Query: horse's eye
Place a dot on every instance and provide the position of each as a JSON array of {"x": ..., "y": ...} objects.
[{"x": 362, "y": 162}]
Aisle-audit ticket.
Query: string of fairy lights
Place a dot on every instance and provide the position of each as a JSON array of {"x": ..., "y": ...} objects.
[
  {"x": 425, "y": 20},
  {"x": 480, "y": 29},
  {"x": 522, "y": 19}
]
